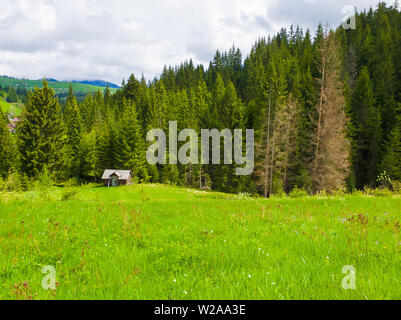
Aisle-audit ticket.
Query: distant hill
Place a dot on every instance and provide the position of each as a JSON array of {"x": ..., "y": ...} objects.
[
  {"x": 98, "y": 83},
  {"x": 6, "y": 107},
  {"x": 59, "y": 86}
]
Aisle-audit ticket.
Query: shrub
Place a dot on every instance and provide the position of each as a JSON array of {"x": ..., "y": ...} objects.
[
  {"x": 396, "y": 186},
  {"x": 379, "y": 192},
  {"x": 44, "y": 181},
  {"x": 243, "y": 196},
  {"x": 69, "y": 194},
  {"x": 384, "y": 180},
  {"x": 297, "y": 193},
  {"x": 13, "y": 182},
  {"x": 73, "y": 182}
]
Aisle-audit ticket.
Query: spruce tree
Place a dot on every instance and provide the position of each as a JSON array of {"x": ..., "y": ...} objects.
[
  {"x": 392, "y": 158},
  {"x": 73, "y": 123},
  {"x": 5, "y": 147},
  {"x": 366, "y": 140},
  {"x": 41, "y": 134}
]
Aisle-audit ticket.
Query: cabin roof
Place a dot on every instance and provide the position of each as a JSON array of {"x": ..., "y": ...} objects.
[{"x": 121, "y": 174}]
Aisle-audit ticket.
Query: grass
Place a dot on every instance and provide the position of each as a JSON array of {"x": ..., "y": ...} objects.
[
  {"x": 59, "y": 86},
  {"x": 6, "y": 107},
  {"x": 159, "y": 242}
]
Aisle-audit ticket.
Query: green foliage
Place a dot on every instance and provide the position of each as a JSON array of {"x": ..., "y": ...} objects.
[
  {"x": 12, "y": 95},
  {"x": 6, "y": 147},
  {"x": 41, "y": 134},
  {"x": 297, "y": 193},
  {"x": 274, "y": 91}
]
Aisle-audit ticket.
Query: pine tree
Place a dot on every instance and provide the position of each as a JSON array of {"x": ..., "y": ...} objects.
[
  {"x": 41, "y": 134},
  {"x": 392, "y": 158},
  {"x": 366, "y": 140},
  {"x": 11, "y": 95},
  {"x": 88, "y": 156},
  {"x": 331, "y": 159},
  {"x": 5, "y": 147},
  {"x": 132, "y": 89},
  {"x": 73, "y": 123},
  {"x": 131, "y": 153}
]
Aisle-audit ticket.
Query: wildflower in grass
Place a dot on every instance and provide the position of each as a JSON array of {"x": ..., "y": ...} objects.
[
  {"x": 249, "y": 276},
  {"x": 273, "y": 283},
  {"x": 174, "y": 280},
  {"x": 185, "y": 292}
]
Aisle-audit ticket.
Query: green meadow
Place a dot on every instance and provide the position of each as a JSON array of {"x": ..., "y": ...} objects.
[
  {"x": 58, "y": 86},
  {"x": 161, "y": 242},
  {"x": 6, "y": 107}
]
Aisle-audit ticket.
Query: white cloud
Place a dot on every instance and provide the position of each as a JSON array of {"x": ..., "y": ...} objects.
[
  {"x": 109, "y": 39},
  {"x": 39, "y": 13}
]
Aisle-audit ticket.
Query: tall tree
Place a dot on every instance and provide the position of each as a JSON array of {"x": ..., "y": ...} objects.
[
  {"x": 41, "y": 135},
  {"x": 331, "y": 147},
  {"x": 366, "y": 139},
  {"x": 5, "y": 147},
  {"x": 73, "y": 123}
]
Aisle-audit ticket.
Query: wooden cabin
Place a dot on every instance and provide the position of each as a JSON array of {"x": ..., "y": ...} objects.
[{"x": 115, "y": 178}]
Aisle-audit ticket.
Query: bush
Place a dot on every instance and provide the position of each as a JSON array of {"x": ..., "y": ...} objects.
[
  {"x": 384, "y": 181},
  {"x": 2, "y": 184},
  {"x": 379, "y": 192},
  {"x": 321, "y": 193},
  {"x": 279, "y": 194},
  {"x": 73, "y": 182},
  {"x": 243, "y": 196},
  {"x": 396, "y": 186},
  {"x": 297, "y": 193},
  {"x": 13, "y": 182},
  {"x": 69, "y": 194},
  {"x": 44, "y": 181},
  {"x": 340, "y": 192}
]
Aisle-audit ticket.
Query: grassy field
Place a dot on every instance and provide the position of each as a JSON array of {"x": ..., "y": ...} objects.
[
  {"x": 6, "y": 107},
  {"x": 59, "y": 86},
  {"x": 159, "y": 242}
]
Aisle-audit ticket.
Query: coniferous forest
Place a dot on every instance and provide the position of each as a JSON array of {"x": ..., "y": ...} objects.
[{"x": 325, "y": 106}]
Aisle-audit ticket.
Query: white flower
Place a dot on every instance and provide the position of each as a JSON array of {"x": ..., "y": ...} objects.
[
  {"x": 185, "y": 292},
  {"x": 273, "y": 283},
  {"x": 174, "y": 280},
  {"x": 249, "y": 276}
]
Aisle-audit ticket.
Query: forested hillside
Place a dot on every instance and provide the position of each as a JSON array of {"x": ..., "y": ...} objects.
[{"x": 325, "y": 106}]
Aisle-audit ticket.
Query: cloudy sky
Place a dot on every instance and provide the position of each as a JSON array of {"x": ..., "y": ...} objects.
[{"x": 110, "y": 39}]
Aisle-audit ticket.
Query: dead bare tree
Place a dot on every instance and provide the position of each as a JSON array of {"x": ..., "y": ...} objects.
[{"x": 331, "y": 147}]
